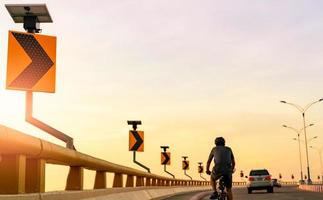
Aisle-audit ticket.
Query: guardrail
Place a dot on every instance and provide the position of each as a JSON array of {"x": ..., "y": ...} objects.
[
  {"x": 241, "y": 183},
  {"x": 312, "y": 188},
  {"x": 23, "y": 159},
  {"x": 289, "y": 182}
]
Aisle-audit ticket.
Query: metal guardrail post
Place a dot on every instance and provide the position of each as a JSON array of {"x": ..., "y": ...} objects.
[
  {"x": 173, "y": 183},
  {"x": 13, "y": 174},
  {"x": 139, "y": 181},
  {"x": 100, "y": 180},
  {"x": 117, "y": 180},
  {"x": 75, "y": 178},
  {"x": 148, "y": 182},
  {"x": 35, "y": 175},
  {"x": 160, "y": 182},
  {"x": 154, "y": 182},
  {"x": 168, "y": 183},
  {"x": 130, "y": 181}
]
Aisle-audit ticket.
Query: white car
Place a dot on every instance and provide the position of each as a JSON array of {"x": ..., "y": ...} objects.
[{"x": 260, "y": 179}]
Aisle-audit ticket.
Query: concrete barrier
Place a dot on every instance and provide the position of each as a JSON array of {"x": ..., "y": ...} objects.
[
  {"x": 139, "y": 193},
  {"x": 311, "y": 188}
]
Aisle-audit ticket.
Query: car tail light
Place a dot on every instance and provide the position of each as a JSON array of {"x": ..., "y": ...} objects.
[
  {"x": 251, "y": 178},
  {"x": 268, "y": 178}
]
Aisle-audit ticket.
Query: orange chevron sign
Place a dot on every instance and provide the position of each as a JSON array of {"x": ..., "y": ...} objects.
[
  {"x": 31, "y": 64},
  {"x": 136, "y": 141},
  {"x": 165, "y": 158},
  {"x": 185, "y": 165},
  {"x": 200, "y": 169}
]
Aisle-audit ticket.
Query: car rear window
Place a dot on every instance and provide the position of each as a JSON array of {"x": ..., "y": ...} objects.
[{"x": 259, "y": 172}]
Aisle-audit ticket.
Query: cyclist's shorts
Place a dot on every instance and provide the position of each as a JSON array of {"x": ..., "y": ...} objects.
[{"x": 227, "y": 178}]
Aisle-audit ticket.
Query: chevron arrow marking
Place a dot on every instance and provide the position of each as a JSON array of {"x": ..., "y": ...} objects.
[
  {"x": 40, "y": 65},
  {"x": 136, "y": 145},
  {"x": 165, "y": 158},
  {"x": 186, "y": 165},
  {"x": 200, "y": 169}
]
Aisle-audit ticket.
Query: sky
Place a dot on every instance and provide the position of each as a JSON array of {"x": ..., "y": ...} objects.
[{"x": 190, "y": 70}]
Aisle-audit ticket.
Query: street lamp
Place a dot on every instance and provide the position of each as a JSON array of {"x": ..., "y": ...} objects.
[
  {"x": 303, "y": 110},
  {"x": 319, "y": 150},
  {"x": 308, "y": 141},
  {"x": 299, "y": 147}
]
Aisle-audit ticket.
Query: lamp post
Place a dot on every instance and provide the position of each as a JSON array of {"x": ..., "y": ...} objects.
[
  {"x": 299, "y": 147},
  {"x": 303, "y": 110},
  {"x": 308, "y": 141},
  {"x": 319, "y": 150}
]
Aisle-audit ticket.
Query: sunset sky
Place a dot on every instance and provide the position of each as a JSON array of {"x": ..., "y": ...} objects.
[{"x": 190, "y": 70}]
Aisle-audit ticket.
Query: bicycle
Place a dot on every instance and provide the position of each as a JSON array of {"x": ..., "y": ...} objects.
[{"x": 222, "y": 194}]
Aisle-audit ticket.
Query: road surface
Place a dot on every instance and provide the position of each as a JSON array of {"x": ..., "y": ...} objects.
[{"x": 284, "y": 193}]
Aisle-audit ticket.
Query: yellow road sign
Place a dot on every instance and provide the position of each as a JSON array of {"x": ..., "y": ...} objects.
[
  {"x": 136, "y": 141},
  {"x": 31, "y": 62},
  {"x": 165, "y": 158}
]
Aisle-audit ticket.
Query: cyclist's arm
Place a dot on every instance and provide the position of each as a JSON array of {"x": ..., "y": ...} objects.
[
  {"x": 209, "y": 161},
  {"x": 233, "y": 161}
]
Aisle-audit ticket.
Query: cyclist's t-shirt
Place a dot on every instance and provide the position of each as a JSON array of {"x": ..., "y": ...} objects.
[{"x": 222, "y": 159}]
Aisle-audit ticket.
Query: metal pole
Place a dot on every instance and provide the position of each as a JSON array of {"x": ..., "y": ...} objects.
[
  {"x": 41, "y": 125},
  {"x": 300, "y": 157},
  {"x": 187, "y": 175},
  {"x": 320, "y": 154},
  {"x": 309, "y": 181},
  {"x": 168, "y": 172},
  {"x": 134, "y": 126},
  {"x": 138, "y": 163},
  {"x": 202, "y": 177},
  {"x": 303, "y": 110}
]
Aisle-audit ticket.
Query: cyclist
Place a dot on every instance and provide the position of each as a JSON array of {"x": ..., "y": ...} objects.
[{"x": 224, "y": 165}]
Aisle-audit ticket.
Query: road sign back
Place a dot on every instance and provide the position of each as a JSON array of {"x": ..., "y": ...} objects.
[
  {"x": 186, "y": 165},
  {"x": 31, "y": 62},
  {"x": 136, "y": 141},
  {"x": 165, "y": 158}
]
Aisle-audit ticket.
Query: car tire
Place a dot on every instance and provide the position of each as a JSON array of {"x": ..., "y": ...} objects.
[
  {"x": 249, "y": 190},
  {"x": 270, "y": 190}
]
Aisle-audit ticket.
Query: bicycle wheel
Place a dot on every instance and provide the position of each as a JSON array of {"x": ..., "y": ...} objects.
[{"x": 223, "y": 196}]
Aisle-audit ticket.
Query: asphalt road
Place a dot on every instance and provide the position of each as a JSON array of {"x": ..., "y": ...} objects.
[{"x": 285, "y": 193}]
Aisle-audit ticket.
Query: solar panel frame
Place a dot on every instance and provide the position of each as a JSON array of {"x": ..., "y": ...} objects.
[{"x": 18, "y": 12}]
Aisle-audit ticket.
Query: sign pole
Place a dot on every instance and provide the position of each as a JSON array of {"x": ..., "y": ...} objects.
[
  {"x": 184, "y": 161},
  {"x": 164, "y": 149},
  {"x": 134, "y": 126},
  {"x": 39, "y": 124},
  {"x": 201, "y": 170},
  {"x": 43, "y": 61}
]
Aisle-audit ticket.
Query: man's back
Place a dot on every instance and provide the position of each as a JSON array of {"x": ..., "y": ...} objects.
[{"x": 222, "y": 159}]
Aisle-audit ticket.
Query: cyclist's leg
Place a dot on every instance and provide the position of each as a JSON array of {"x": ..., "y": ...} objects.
[
  {"x": 214, "y": 178},
  {"x": 229, "y": 192},
  {"x": 213, "y": 183},
  {"x": 228, "y": 185}
]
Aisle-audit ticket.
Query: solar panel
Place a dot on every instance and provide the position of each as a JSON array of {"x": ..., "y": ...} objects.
[{"x": 19, "y": 11}]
